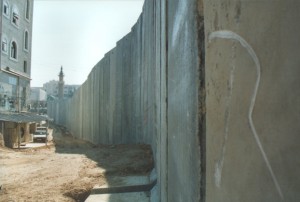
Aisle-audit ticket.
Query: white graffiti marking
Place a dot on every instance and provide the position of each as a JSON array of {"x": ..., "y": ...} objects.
[
  {"x": 179, "y": 21},
  {"x": 225, "y": 34}
]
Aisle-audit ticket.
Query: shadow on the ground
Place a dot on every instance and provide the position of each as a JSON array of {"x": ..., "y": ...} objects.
[{"x": 114, "y": 160}]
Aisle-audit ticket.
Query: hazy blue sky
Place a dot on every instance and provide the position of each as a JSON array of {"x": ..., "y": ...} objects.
[{"x": 77, "y": 34}]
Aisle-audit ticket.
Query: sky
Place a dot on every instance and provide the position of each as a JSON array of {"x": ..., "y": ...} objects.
[{"x": 76, "y": 34}]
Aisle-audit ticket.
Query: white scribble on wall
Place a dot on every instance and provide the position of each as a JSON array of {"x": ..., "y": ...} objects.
[
  {"x": 179, "y": 21},
  {"x": 225, "y": 34}
]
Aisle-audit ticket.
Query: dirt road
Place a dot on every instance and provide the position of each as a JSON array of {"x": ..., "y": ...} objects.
[{"x": 67, "y": 169}]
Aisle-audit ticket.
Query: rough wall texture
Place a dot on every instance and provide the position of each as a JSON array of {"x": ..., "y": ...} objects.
[
  {"x": 253, "y": 114},
  {"x": 184, "y": 106}
]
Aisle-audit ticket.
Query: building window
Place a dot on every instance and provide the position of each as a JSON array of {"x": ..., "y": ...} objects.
[
  {"x": 15, "y": 17},
  {"x": 26, "y": 40},
  {"x": 12, "y": 80},
  {"x": 5, "y": 9},
  {"x": 27, "y": 9},
  {"x": 25, "y": 66},
  {"x": 4, "y": 44},
  {"x": 13, "y": 50}
]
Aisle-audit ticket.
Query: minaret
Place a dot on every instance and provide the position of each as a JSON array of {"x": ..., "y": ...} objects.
[{"x": 61, "y": 84}]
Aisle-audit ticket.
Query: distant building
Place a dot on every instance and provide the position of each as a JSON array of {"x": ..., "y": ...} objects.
[
  {"x": 38, "y": 94},
  {"x": 69, "y": 90},
  {"x": 38, "y": 100},
  {"x": 59, "y": 89},
  {"x": 15, "y": 57},
  {"x": 51, "y": 88}
]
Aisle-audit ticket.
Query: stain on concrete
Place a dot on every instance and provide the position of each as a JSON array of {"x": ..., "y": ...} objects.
[
  {"x": 237, "y": 11},
  {"x": 216, "y": 21},
  {"x": 220, "y": 162}
]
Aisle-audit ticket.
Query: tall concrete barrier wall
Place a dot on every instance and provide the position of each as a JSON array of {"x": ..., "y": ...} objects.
[
  {"x": 212, "y": 86},
  {"x": 147, "y": 90},
  {"x": 252, "y": 101}
]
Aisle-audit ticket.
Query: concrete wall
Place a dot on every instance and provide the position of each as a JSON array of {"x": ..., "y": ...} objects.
[
  {"x": 11, "y": 134},
  {"x": 252, "y": 80},
  {"x": 132, "y": 91},
  {"x": 218, "y": 106}
]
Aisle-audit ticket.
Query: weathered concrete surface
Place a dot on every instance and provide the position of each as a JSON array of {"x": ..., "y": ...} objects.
[
  {"x": 127, "y": 188},
  {"x": 120, "y": 197},
  {"x": 119, "y": 181},
  {"x": 253, "y": 114},
  {"x": 184, "y": 102}
]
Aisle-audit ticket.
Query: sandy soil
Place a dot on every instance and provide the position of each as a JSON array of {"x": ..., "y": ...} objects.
[{"x": 68, "y": 169}]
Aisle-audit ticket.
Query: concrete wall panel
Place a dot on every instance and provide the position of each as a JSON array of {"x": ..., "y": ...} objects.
[
  {"x": 126, "y": 89},
  {"x": 183, "y": 105},
  {"x": 101, "y": 108},
  {"x": 117, "y": 129},
  {"x": 252, "y": 106},
  {"x": 162, "y": 143},
  {"x": 112, "y": 97}
]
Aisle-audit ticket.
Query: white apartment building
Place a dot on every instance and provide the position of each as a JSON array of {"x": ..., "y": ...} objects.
[{"x": 15, "y": 57}]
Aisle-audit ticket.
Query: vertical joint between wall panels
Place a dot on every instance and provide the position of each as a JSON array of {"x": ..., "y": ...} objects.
[
  {"x": 201, "y": 98},
  {"x": 167, "y": 106}
]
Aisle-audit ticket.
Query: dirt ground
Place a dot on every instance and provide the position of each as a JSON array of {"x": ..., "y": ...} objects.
[{"x": 68, "y": 169}]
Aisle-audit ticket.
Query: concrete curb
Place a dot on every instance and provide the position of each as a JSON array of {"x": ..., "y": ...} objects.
[
  {"x": 128, "y": 188},
  {"x": 125, "y": 189}
]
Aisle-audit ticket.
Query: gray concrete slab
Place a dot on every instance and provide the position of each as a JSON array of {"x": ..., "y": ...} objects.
[
  {"x": 125, "y": 188},
  {"x": 154, "y": 194},
  {"x": 122, "y": 197},
  {"x": 35, "y": 145},
  {"x": 117, "y": 181}
]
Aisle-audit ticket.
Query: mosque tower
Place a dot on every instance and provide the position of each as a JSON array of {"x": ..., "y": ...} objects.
[{"x": 61, "y": 84}]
